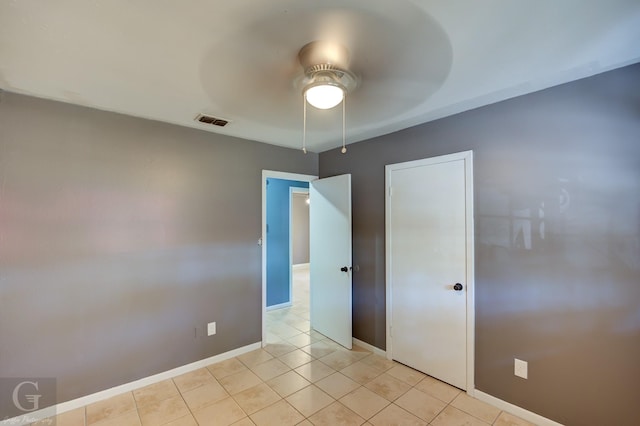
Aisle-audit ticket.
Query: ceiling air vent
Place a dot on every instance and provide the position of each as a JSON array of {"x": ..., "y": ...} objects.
[{"x": 207, "y": 119}]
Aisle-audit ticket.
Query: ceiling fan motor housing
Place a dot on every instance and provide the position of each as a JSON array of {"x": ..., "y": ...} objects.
[{"x": 326, "y": 63}]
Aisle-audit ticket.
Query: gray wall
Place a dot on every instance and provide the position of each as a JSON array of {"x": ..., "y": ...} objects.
[
  {"x": 564, "y": 297},
  {"x": 120, "y": 238},
  {"x": 300, "y": 228}
]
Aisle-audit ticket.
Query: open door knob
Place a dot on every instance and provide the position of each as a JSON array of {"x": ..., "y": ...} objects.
[
  {"x": 457, "y": 287},
  {"x": 344, "y": 269}
]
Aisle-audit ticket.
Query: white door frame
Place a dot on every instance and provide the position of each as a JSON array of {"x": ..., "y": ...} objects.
[
  {"x": 271, "y": 174},
  {"x": 467, "y": 156}
]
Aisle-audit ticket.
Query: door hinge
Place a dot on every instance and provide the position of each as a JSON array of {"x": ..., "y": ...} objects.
[{"x": 390, "y": 191}]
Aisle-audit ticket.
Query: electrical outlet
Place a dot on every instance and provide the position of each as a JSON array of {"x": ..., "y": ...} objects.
[
  {"x": 520, "y": 368},
  {"x": 211, "y": 329}
]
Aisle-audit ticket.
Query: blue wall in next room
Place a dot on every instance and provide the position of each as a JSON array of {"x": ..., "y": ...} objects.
[{"x": 278, "y": 270}]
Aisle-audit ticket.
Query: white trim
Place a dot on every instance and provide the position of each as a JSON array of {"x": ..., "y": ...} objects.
[
  {"x": 471, "y": 275},
  {"x": 371, "y": 348},
  {"x": 514, "y": 409},
  {"x": 467, "y": 157},
  {"x": 131, "y": 386},
  {"x": 267, "y": 174},
  {"x": 387, "y": 257},
  {"x": 279, "y": 306}
]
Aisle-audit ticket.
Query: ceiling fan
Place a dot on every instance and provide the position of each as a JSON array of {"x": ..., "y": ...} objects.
[{"x": 386, "y": 61}]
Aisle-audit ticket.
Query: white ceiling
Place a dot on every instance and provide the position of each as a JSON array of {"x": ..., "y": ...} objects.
[{"x": 418, "y": 60}]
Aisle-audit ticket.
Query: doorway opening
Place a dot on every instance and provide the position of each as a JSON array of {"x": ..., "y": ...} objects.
[
  {"x": 299, "y": 259},
  {"x": 285, "y": 288}
]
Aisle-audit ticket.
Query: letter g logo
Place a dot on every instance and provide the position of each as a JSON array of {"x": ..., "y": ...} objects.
[{"x": 33, "y": 399}]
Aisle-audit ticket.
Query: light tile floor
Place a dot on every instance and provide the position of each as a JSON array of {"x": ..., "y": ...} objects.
[{"x": 299, "y": 378}]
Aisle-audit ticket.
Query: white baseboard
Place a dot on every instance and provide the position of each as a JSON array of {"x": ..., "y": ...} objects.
[
  {"x": 127, "y": 387},
  {"x": 369, "y": 347},
  {"x": 513, "y": 409},
  {"x": 300, "y": 266},
  {"x": 279, "y": 306}
]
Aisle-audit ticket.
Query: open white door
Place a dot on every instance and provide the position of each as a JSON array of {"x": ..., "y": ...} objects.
[{"x": 330, "y": 257}]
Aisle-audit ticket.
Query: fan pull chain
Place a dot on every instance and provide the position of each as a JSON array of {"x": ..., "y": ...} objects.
[
  {"x": 344, "y": 146},
  {"x": 304, "y": 123}
]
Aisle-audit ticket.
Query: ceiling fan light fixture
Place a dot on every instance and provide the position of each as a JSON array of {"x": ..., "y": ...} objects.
[
  {"x": 324, "y": 95},
  {"x": 326, "y": 80}
]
